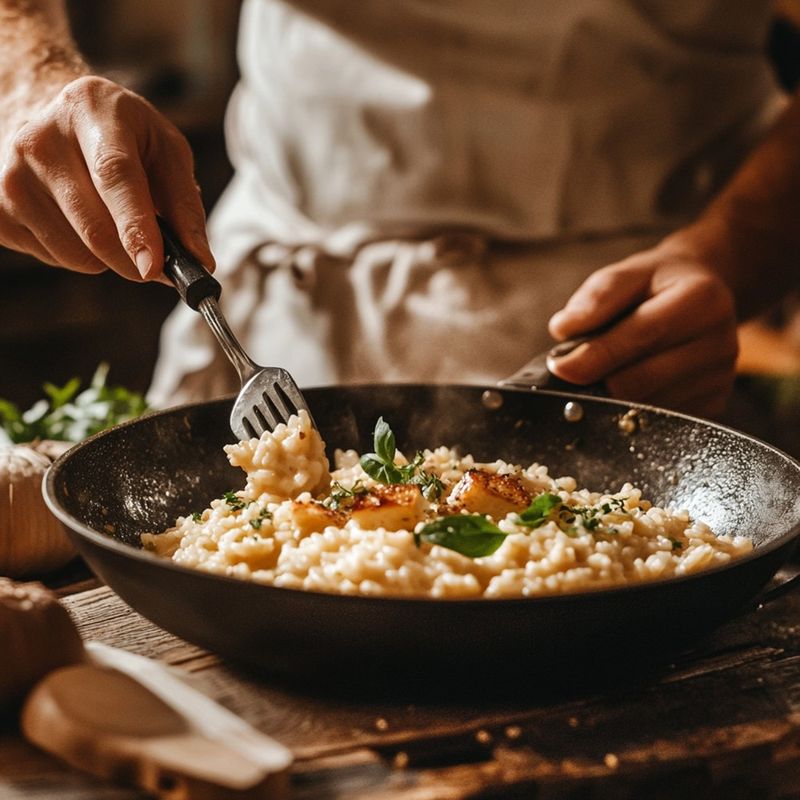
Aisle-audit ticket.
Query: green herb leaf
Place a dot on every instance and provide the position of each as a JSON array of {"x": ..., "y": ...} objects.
[
  {"x": 197, "y": 516},
  {"x": 538, "y": 512},
  {"x": 471, "y": 535},
  {"x": 233, "y": 501},
  {"x": 384, "y": 442},
  {"x": 341, "y": 496},
  {"x": 255, "y": 523},
  {"x": 379, "y": 470}
]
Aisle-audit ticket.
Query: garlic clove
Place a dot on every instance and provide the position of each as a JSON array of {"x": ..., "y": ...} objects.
[{"x": 32, "y": 540}]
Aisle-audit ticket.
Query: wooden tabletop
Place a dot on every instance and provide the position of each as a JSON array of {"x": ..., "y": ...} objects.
[{"x": 722, "y": 721}]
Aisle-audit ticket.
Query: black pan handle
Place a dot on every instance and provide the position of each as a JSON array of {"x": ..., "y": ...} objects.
[
  {"x": 788, "y": 580},
  {"x": 535, "y": 374},
  {"x": 192, "y": 280}
]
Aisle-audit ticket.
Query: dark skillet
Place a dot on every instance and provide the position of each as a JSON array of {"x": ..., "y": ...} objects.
[{"x": 140, "y": 476}]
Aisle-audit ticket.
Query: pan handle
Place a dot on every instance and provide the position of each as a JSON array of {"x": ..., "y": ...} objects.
[
  {"x": 535, "y": 374},
  {"x": 788, "y": 581}
]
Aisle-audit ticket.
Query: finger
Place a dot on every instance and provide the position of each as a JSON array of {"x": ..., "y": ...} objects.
[
  {"x": 177, "y": 196},
  {"x": 75, "y": 198},
  {"x": 18, "y": 237},
  {"x": 679, "y": 313},
  {"x": 604, "y": 295},
  {"x": 116, "y": 170},
  {"x": 652, "y": 379},
  {"x": 60, "y": 238}
]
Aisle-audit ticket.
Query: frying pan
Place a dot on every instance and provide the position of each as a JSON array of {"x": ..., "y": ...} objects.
[{"x": 141, "y": 475}]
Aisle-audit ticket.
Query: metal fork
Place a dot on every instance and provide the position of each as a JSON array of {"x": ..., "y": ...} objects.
[{"x": 269, "y": 395}]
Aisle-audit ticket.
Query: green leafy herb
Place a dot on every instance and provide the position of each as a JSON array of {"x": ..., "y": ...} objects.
[
  {"x": 538, "y": 512},
  {"x": 255, "y": 523},
  {"x": 429, "y": 484},
  {"x": 676, "y": 544},
  {"x": 69, "y": 415},
  {"x": 342, "y": 497},
  {"x": 380, "y": 465},
  {"x": 197, "y": 516},
  {"x": 471, "y": 535},
  {"x": 233, "y": 501}
]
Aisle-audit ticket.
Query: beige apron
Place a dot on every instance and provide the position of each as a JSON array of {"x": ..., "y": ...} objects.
[{"x": 420, "y": 185}]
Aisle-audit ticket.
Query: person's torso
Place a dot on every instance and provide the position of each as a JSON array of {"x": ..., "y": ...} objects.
[{"x": 527, "y": 119}]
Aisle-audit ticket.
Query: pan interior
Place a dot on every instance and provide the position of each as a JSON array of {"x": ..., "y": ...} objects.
[{"x": 140, "y": 476}]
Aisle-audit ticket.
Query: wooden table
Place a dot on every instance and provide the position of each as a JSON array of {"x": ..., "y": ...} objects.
[{"x": 723, "y": 721}]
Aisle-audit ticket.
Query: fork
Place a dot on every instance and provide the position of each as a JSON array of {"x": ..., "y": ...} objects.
[{"x": 269, "y": 395}]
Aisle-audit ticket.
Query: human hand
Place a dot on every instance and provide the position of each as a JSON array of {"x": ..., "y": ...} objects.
[
  {"x": 81, "y": 182},
  {"x": 674, "y": 343}
]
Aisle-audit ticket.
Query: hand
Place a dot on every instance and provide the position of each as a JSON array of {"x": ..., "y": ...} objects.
[
  {"x": 676, "y": 344},
  {"x": 82, "y": 180}
]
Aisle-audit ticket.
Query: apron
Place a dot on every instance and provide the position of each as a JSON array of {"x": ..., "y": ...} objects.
[{"x": 419, "y": 186}]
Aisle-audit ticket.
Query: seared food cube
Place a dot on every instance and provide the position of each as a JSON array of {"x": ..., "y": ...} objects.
[
  {"x": 395, "y": 507},
  {"x": 313, "y": 517},
  {"x": 482, "y": 492}
]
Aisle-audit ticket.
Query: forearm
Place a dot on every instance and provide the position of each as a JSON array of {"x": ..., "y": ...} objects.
[
  {"x": 37, "y": 58},
  {"x": 750, "y": 234}
]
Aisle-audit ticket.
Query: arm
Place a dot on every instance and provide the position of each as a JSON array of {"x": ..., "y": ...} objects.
[
  {"x": 85, "y": 165},
  {"x": 675, "y": 343}
]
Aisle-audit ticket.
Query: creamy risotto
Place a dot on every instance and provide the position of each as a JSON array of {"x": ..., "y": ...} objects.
[{"x": 441, "y": 525}]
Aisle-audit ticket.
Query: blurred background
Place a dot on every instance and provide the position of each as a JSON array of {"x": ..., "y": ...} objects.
[{"x": 181, "y": 55}]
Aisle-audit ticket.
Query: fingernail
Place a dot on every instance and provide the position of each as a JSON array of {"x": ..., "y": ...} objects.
[
  {"x": 568, "y": 348},
  {"x": 144, "y": 262}
]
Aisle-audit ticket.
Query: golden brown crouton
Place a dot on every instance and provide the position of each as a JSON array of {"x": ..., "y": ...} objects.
[
  {"x": 484, "y": 492},
  {"x": 395, "y": 507}
]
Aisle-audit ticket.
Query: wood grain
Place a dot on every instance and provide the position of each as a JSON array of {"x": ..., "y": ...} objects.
[{"x": 723, "y": 721}]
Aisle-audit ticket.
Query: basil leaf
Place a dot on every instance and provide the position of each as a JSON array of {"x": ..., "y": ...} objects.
[
  {"x": 379, "y": 470},
  {"x": 538, "y": 512},
  {"x": 471, "y": 535},
  {"x": 384, "y": 441}
]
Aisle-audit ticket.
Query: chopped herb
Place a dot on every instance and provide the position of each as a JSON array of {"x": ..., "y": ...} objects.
[
  {"x": 342, "y": 497},
  {"x": 471, "y": 535},
  {"x": 197, "y": 516},
  {"x": 538, "y": 512},
  {"x": 676, "y": 544},
  {"x": 430, "y": 485},
  {"x": 255, "y": 523},
  {"x": 233, "y": 501}
]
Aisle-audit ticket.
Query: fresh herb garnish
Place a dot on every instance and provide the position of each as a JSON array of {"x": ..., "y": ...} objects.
[
  {"x": 380, "y": 465},
  {"x": 255, "y": 523},
  {"x": 197, "y": 516},
  {"x": 542, "y": 510},
  {"x": 429, "y": 484},
  {"x": 538, "y": 512},
  {"x": 342, "y": 497},
  {"x": 676, "y": 544},
  {"x": 472, "y": 535},
  {"x": 67, "y": 415},
  {"x": 233, "y": 501}
]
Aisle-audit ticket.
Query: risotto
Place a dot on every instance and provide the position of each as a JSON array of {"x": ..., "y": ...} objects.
[{"x": 441, "y": 525}]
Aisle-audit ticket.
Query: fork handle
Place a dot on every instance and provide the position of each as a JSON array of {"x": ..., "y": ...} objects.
[{"x": 192, "y": 280}]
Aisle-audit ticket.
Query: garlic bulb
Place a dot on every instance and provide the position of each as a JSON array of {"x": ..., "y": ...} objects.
[
  {"x": 36, "y": 635},
  {"x": 32, "y": 541}
]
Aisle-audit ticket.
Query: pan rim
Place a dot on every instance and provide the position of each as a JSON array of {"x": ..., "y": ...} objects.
[{"x": 106, "y": 542}]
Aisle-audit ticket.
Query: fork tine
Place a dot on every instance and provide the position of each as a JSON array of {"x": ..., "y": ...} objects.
[{"x": 263, "y": 422}]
